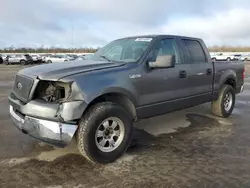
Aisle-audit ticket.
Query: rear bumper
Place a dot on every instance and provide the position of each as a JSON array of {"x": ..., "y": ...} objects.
[
  {"x": 52, "y": 132},
  {"x": 240, "y": 89}
]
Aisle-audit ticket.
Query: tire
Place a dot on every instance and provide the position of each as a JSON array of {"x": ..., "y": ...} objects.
[
  {"x": 245, "y": 59},
  {"x": 6, "y": 63},
  {"x": 228, "y": 59},
  {"x": 49, "y": 61},
  {"x": 213, "y": 59},
  {"x": 23, "y": 62},
  {"x": 87, "y": 141},
  {"x": 218, "y": 106}
]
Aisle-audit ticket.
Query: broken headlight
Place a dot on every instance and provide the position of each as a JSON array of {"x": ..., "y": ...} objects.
[{"x": 53, "y": 91}]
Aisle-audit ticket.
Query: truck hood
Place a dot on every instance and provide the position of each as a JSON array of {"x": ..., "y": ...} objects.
[{"x": 55, "y": 71}]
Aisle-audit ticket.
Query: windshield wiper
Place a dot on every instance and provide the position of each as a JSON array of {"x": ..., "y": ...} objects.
[{"x": 104, "y": 57}]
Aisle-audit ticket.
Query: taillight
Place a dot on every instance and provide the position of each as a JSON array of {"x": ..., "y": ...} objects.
[{"x": 243, "y": 73}]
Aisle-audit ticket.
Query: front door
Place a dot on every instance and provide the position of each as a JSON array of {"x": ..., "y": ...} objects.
[{"x": 162, "y": 88}]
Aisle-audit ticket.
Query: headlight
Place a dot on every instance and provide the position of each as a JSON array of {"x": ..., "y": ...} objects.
[{"x": 51, "y": 91}]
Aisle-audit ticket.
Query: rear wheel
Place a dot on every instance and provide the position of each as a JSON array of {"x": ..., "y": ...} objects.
[
  {"x": 228, "y": 59},
  {"x": 23, "y": 62},
  {"x": 104, "y": 132},
  {"x": 49, "y": 61},
  {"x": 224, "y": 105}
]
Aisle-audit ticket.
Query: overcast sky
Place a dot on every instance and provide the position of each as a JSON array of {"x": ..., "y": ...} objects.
[{"x": 33, "y": 23}]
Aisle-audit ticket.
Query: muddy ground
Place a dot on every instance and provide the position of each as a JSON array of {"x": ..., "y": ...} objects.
[{"x": 188, "y": 148}]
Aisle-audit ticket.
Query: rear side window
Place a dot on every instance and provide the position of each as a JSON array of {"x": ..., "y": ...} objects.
[{"x": 195, "y": 50}]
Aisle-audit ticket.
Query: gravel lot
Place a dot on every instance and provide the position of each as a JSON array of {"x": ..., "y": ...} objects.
[{"x": 188, "y": 148}]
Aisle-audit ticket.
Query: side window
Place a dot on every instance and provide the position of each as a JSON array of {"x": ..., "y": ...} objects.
[
  {"x": 165, "y": 47},
  {"x": 195, "y": 50}
]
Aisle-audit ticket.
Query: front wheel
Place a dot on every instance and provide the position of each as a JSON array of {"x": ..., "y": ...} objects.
[
  {"x": 49, "y": 61},
  {"x": 104, "y": 132},
  {"x": 6, "y": 63},
  {"x": 224, "y": 105}
]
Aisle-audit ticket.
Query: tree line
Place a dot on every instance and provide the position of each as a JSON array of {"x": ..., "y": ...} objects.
[{"x": 229, "y": 49}]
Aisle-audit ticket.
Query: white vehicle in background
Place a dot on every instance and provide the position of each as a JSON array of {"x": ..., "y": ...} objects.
[
  {"x": 57, "y": 58},
  {"x": 222, "y": 57},
  {"x": 4, "y": 56},
  {"x": 84, "y": 57},
  {"x": 245, "y": 57},
  {"x": 22, "y": 59},
  {"x": 36, "y": 58},
  {"x": 237, "y": 57}
]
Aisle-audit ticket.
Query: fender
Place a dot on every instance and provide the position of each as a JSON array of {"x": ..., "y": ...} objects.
[
  {"x": 228, "y": 74},
  {"x": 122, "y": 91}
]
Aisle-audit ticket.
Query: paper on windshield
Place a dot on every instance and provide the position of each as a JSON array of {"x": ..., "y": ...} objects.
[{"x": 143, "y": 39}]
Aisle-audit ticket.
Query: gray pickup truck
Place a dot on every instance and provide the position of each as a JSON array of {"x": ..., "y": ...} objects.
[{"x": 127, "y": 80}]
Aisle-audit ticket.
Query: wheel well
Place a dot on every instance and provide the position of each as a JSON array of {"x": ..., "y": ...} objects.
[
  {"x": 231, "y": 82},
  {"x": 118, "y": 99}
]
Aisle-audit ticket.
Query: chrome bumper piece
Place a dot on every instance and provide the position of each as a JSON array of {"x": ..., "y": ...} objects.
[
  {"x": 242, "y": 89},
  {"x": 51, "y": 132}
]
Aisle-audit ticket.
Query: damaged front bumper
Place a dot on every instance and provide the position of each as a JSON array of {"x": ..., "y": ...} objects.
[
  {"x": 54, "y": 133},
  {"x": 54, "y": 124}
]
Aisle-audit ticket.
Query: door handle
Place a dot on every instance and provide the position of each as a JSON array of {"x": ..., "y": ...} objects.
[
  {"x": 183, "y": 74},
  {"x": 209, "y": 71}
]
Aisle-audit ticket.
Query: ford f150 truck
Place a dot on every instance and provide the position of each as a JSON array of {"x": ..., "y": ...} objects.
[{"x": 97, "y": 100}]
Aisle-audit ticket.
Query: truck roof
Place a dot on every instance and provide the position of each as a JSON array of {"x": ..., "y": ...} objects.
[{"x": 161, "y": 36}]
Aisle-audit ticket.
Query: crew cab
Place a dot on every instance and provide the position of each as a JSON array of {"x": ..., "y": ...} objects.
[{"x": 98, "y": 99}]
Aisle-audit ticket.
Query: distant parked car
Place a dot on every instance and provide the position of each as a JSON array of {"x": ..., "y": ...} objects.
[
  {"x": 22, "y": 59},
  {"x": 237, "y": 57},
  {"x": 222, "y": 57},
  {"x": 57, "y": 58},
  {"x": 72, "y": 56},
  {"x": 245, "y": 57},
  {"x": 4, "y": 56},
  {"x": 36, "y": 58},
  {"x": 1, "y": 59},
  {"x": 45, "y": 56},
  {"x": 84, "y": 57}
]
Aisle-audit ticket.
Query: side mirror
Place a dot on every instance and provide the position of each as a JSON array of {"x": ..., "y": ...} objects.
[{"x": 163, "y": 61}]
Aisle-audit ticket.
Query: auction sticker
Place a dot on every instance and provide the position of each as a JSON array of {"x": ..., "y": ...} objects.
[{"x": 143, "y": 39}]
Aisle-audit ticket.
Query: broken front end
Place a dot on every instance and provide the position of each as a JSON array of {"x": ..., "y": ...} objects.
[{"x": 46, "y": 110}]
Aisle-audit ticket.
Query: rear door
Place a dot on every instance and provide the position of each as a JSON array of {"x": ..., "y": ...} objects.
[
  {"x": 12, "y": 59},
  {"x": 200, "y": 69}
]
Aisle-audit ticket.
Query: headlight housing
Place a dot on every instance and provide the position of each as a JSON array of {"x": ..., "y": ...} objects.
[{"x": 52, "y": 91}]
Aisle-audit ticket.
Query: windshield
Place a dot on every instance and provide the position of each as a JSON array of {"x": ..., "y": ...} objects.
[{"x": 123, "y": 50}]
